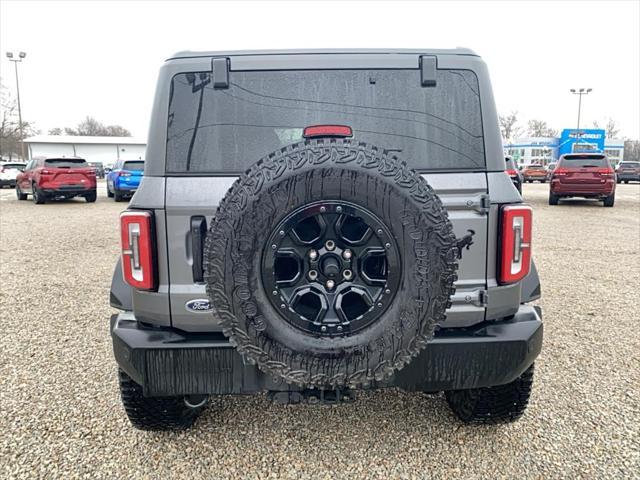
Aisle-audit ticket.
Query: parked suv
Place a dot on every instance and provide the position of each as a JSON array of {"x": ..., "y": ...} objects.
[
  {"x": 587, "y": 175},
  {"x": 50, "y": 178},
  {"x": 310, "y": 223},
  {"x": 124, "y": 179},
  {"x": 533, "y": 173},
  {"x": 9, "y": 172},
  {"x": 513, "y": 172},
  {"x": 628, "y": 172}
]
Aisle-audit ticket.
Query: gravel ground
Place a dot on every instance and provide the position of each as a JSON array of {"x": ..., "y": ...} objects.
[{"x": 61, "y": 414}]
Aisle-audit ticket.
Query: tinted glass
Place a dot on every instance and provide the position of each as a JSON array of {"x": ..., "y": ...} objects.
[
  {"x": 584, "y": 161},
  {"x": 12, "y": 166},
  {"x": 227, "y": 130},
  {"x": 630, "y": 164},
  {"x": 136, "y": 166},
  {"x": 66, "y": 163}
]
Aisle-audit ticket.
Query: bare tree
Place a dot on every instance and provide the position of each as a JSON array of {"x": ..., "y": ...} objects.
[
  {"x": 55, "y": 131},
  {"x": 611, "y": 128},
  {"x": 631, "y": 151},
  {"x": 92, "y": 127},
  {"x": 540, "y": 128},
  {"x": 509, "y": 126},
  {"x": 11, "y": 135}
]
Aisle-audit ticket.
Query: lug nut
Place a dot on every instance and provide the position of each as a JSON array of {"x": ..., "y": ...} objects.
[
  {"x": 275, "y": 292},
  {"x": 347, "y": 274},
  {"x": 347, "y": 254},
  {"x": 339, "y": 209},
  {"x": 330, "y": 245},
  {"x": 313, "y": 274},
  {"x": 313, "y": 254},
  {"x": 330, "y": 284},
  {"x": 323, "y": 329},
  {"x": 323, "y": 209}
]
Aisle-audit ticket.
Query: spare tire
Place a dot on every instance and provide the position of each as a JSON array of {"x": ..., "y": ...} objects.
[{"x": 329, "y": 264}]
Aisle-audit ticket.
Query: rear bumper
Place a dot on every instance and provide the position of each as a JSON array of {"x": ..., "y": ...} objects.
[
  {"x": 67, "y": 190},
  {"x": 166, "y": 361},
  {"x": 628, "y": 176},
  {"x": 598, "y": 190}
]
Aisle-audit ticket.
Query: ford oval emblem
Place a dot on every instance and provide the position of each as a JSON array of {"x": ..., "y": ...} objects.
[{"x": 198, "y": 305}]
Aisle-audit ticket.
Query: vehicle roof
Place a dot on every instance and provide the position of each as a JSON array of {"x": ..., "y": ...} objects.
[{"x": 327, "y": 51}]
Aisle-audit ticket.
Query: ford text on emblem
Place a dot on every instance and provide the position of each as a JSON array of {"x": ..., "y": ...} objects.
[{"x": 199, "y": 305}]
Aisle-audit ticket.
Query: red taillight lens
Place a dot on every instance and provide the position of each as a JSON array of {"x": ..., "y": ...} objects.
[
  {"x": 136, "y": 238},
  {"x": 606, "y": 172},
  {"x": 515, "y": 255},
  {"x": 560, "y": 172},
  {"x": 327, "y": 131},
  {"x": 512, "y": 173}
]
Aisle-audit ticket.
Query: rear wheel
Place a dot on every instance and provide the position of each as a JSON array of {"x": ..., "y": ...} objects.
[
  {"x": 109, "y": 192},
  {"x": 38, "y": 196},
  {"x": 489, "y": 405},
  {"x": 553, "y": 199},
  {"x": 154, "y": 413},
  {"x": 19, "y": 194},
  {"x": 608, "y": 202},
  {"x": 91, "y": 197},
  {"x": 119, "y": 196}
]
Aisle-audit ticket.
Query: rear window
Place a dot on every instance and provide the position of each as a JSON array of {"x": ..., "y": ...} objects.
[
  {"x": 66, "y": 163},
  {"x": 8, "y": 166},
  {"x": 584, "y": 161},
  {"x": 535, "y": 167},
  {"x": 136, "y": 166},
  {"x": 630, "y": 164},
  {"x": 227, "y": 130}
]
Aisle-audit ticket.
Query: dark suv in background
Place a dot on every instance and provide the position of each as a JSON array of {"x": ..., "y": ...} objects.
[
  {"x": 587, "y": 175},
  {"x": 628, "y": 172},
  {"x": 311, "y": 222}
]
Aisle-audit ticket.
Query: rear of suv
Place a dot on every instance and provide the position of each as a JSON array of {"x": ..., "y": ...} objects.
[
  {"x": 586, "y": 175},
  {"x": 53, "y": 178},
  {"x": 628, "y": 172},
  {"x": 310, "y": 223},
  {"x": 533, "y": 173},
  {"x": 9, "y": 172},
  {"x": 124, "y": 179}
]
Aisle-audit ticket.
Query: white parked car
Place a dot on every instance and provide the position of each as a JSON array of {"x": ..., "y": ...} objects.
[{"x": 9, "y": 171}]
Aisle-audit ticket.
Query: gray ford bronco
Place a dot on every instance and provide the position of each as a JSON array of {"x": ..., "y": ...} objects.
[{"x": 312, "y": 222}]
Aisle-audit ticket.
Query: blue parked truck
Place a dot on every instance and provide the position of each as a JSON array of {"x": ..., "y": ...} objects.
[{"x": 124, "y": 179}]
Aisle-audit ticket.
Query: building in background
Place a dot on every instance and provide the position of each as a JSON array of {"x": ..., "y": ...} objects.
[
  {"x": 107, "y": 150},
  {"x": 544, "y": 150}
]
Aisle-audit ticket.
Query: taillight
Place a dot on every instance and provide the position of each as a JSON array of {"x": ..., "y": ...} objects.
[
  {"x": 605, "y": 172},
  {"x": 124, "y": 174},
  {"x": 515, "y": 255},
  {"x": 136, "y": 238},
  {"x": 512, "y": 173},
  {"x": 327, "y": 131},
  {"x": 560, "y": 172}
]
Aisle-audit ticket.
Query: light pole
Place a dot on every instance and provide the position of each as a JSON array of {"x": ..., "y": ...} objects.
[
  {"x": 15, "y": 61},
  {"x": 580, "y": 92}
]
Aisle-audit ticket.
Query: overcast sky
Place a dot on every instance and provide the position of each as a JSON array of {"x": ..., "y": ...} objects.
[{"x": 102, "y": 58}]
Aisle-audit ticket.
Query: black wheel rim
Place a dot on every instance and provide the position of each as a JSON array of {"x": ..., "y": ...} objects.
[{"x": 331, "y": 268}]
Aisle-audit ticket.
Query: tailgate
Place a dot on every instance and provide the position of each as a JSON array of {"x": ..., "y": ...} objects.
[
  {"x": 582, "y": 176},
  {"x": 464, "y": 195}
]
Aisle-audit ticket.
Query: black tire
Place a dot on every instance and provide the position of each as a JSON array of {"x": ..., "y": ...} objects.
[
  {"x": 38, "y": 196},
  {"x": 109, "y": 192},
  {"x": 609, "y": 201},
  {"x": 553, "y": 199},
  {"x": 490, "y": 405},
  {"x": 626, "y": 181},
  {"x": 119, "y": 196},
  {"x": 325, "y": 170},
  {"x": 91, "y": 197},
  {"x": 19, "y": 194},
  {"x": 154, "y": 413}
]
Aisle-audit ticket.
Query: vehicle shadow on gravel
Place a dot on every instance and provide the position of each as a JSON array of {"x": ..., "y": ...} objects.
[{"x": 388, "y": 424}]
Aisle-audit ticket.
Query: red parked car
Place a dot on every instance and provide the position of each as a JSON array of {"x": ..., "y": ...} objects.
[
  {"x": 49, "y": 178},
  {"x": 587, "y": 175}
]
